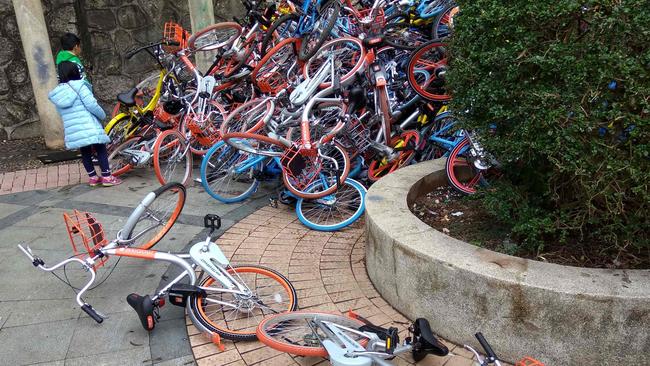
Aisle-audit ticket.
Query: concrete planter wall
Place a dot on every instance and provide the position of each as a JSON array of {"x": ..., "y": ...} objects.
[{"x": 561, "y": 315}]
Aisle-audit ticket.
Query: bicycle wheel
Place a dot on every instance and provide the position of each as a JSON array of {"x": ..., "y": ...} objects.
[
  {"x": 443, "y": 25},
  {"x": 320, "y": 31},
  {"x": 220, "y": 175},
  {"x": 121, "y": 161},
  {"x": 118, "y": 130},
  {"x": 400, "y": 33},
  {"x": 172, "y": 160},
  {"x": 462, "y": 175},
  {"x": 424, "y": 71},
  {"x": 281, "y": 29},
  {"x": 215, "y": 36},
  {"x": 274, "y": 71},
  {"x": 248, "y": 117},
  {"x": 236, "y": 316},
  {"x": 158, "y": 217},
  {"x": 296, "y": 333},
  {"x": 335, "y": 211},
  {"x": 349, "y": 56}
]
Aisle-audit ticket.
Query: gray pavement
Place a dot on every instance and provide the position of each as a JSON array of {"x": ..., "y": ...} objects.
[{"x": 40, "y": 323}]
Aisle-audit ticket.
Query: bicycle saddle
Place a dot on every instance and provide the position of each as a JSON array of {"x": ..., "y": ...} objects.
[
  {"x": 144, "y": 306},
  {"x": 357, "y": 99},
  {"x": 128, "y": 97},
  {"x": 425, "y": 341}
]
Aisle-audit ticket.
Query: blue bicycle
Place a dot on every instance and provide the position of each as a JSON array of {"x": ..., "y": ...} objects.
[{"x": 230, "y": 175}]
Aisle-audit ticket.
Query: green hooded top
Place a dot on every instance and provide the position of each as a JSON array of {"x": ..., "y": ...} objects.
[{"x": 64, "y": 55}]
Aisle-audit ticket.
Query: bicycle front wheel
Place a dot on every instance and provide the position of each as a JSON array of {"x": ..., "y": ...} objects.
[
  {"x": 335, "y": 211},
  {"x": 172, "y": 160},
  {"x": 298, "y": 334},
  {"x": 462, "y": 175},
  {"x": 224, "y": 176},
  {"x": 158, "y": 217},
  {"x": 236, "y": 316}
]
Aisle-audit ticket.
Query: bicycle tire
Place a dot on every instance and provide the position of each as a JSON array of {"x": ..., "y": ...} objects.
[
  {"x": 117, "y": 130},
  {"x": 203, "y": 35},
  {"x": 286, "y": 18},
  {"x": 248, "y": 117},
  {"x": 312, "y": 65},
  {"x": 273, "y": 330},
  {"x": 272, "y": 72},
  {"x": 307, "y": 49},
  {"x": 437, "y": 93},
  {"x": 455, "y": 160},
  {"x": 202, "y": 313},
  {"x": 440, "y": 28},
  {"x": 321, "y": 216},
  {"x": 217, "y": 167},
  {"x": 168, "y": 207},
  {"x": 169, "y": 149},
  {"x": 121, "y": 164}
]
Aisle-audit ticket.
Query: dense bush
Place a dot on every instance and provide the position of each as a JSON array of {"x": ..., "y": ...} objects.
[{"x": 568, "y": 85}]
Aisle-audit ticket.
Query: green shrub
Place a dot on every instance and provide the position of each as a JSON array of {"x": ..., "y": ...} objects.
[{"x": 575, "y": 153}]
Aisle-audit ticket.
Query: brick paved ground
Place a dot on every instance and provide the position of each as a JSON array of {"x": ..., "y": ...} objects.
[
  {"x": 328, "y": 272},
  {"x": 41, "y": 178}
]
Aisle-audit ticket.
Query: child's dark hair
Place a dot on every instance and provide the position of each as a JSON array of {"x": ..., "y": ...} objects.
[
  {"x": 69, "y": 40},
  {"x": 68, "y": 71}
]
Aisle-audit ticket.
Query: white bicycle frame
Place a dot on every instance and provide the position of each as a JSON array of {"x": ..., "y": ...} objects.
[{"x": 345, "y": 351}]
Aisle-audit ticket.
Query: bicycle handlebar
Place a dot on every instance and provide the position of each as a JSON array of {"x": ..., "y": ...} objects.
[
  {"x": 38, "y": 262},
  {"x": 486, "y": 346},
  {"x": 132, "y": 53}
]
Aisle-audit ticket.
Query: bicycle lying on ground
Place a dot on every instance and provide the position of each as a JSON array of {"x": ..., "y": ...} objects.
[
  {"x": 224, "y": 300},
  {"x": 354, "y": 341}
]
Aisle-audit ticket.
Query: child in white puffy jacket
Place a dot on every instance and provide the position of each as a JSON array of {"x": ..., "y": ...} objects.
[{"x": 81, "y": 115}]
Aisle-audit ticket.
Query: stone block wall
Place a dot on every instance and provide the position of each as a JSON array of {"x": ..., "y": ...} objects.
[{"x": 108, "y": 28}]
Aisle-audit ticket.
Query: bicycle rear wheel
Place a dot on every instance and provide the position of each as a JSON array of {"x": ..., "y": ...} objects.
[
  {"x": 215, "y": 36},
  {"x": 424, "y": 70},
  {"x": 172, "y": 159},
  {"x": 271, "y": 293},
  {"x": 158, "y": 217},
  {"x": 120, "y": 161},
  {"x": 296, "y": 333}
]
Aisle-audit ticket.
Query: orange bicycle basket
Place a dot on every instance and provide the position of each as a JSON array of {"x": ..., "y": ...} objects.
[
  {"x": 301, "y": 170},
  {"x": 174, "y": 33},
  {"x": 84, "y": 230}
]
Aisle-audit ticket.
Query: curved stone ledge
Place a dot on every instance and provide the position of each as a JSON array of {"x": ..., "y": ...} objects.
[{"x": 561, "y": 315}]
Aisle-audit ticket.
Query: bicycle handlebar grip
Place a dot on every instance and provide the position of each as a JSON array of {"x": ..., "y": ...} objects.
[
  {"x": 486, "y": 346},
  {"x": 92, "y": 313}
]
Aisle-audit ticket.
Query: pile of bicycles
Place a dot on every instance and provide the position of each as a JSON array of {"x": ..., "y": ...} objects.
[{"x": 328, "y": 96}]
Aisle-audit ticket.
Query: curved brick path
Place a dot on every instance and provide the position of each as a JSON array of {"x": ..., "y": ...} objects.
[
  {"x": 51, "y": 176},
  {"x": 329, "y": 274}
]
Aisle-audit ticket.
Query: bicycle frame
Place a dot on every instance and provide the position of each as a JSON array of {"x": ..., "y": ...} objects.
[{"x": 344, "y": 351}]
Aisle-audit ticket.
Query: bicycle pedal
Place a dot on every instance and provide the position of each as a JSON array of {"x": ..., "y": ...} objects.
[{"x": 273, "y": 202}]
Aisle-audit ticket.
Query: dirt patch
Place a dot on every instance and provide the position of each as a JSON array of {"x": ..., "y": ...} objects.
[
  {"x": 464, "y": 218},
  {"x": 21, "y": 154}
]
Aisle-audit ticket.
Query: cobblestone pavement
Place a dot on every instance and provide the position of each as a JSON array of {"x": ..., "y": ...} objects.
[
  {"x": 51, "y": 176},
  {"x": 329, "y": 274}
]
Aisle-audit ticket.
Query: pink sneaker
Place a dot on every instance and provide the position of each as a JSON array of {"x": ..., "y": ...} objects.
[
  {"x": 111, "y": 181},
  {"x": 94, "y": 181}
]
